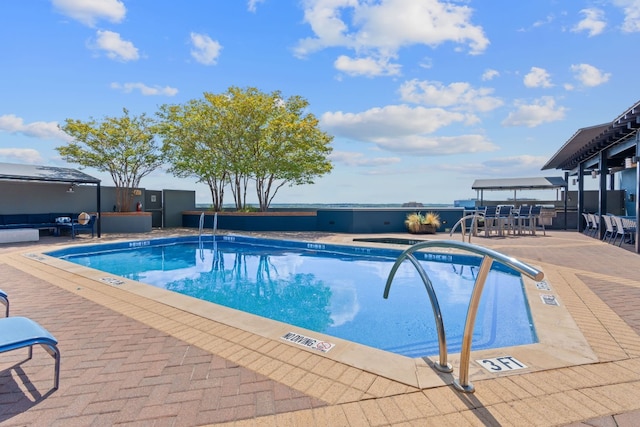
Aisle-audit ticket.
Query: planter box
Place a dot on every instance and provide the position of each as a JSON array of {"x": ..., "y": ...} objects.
[
  {"x": 125, "y": 222},
  {"x": 424, "y": 229}
]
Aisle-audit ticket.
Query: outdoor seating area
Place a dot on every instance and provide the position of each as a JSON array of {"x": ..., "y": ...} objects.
[
  {"x": 615, "y": 228},
  {"x": 82, "y": 222},
  {"x": 505, "y": 220},
  {"x": 25, "y": 227}
]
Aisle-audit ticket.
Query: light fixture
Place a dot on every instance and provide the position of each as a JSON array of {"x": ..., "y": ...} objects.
[{"x": 631, "y": 162}]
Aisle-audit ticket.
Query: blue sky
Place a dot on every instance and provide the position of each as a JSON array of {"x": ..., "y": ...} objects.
[{"x": 422, "y": 96}]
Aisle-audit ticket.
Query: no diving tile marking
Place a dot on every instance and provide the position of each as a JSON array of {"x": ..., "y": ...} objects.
[
  {"x": 308, "y": 342},
  {"x": 549, "y": 299},
  {"x": 501, "y": 364},
  {"x": 543, "y": 286},
  {"x": 112, "y": 281}
]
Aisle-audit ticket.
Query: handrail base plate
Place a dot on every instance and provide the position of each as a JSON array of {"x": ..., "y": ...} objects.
[{"x": 469, "y": 388}]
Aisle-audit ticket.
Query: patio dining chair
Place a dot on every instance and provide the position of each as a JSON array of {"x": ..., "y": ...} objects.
[
  {"x": 490, "y": 220},
  {"x": 503, "y": 220},
  {"x": 522, "y": 217},
  {"x": 536, "y": 212},
  {"x": 594, "y": 224},
  {"x": 587, "y": 223},
  {"x": 610, "y": 230},
  {"x": 622, "y": 230}
]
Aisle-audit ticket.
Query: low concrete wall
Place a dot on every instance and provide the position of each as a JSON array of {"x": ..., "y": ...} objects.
[
  {"x": 125, "y": 222},
  {"x": 340, "y": 220},
  {"x": 253, "y": 221}
]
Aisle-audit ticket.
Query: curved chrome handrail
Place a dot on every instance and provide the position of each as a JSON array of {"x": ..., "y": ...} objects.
[
  {"x": 462, "y": 227},
  {"x": 201, "y": 226},
  {"x": 489, "y": 255},
  {"x": 443, "y": 365}
]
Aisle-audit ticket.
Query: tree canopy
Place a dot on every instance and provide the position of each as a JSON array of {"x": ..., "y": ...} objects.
[
  {"x": 245, "y": 135},
  {"x": 123, "y": 146}
]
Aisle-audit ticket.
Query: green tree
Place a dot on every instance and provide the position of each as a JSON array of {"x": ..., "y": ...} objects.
[
  {"x": 291, "y": 149},
  {"x": 194, "y": 144},
  {"x": 123, "y": 146},
  {"x": 243, "y": 135}
]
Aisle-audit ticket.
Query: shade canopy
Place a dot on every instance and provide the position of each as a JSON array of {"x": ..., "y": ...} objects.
[
  {"x": 12, "y": 171},
  {"x": 538, "y": 183}
]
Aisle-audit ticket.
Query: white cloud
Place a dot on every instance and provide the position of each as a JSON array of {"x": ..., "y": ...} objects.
[
  {"x": 593, "y": 22},
  {"x": 366, "y": 66},
  {"x": 403, "y": 129},
  {"x": 546, "y": 21},
  {"x": 45, "y": 130},
  {"x": 511, "y": 166},
  {"x": 144, "y": 89},
  {"x": 421, "y": 145},
  {"x": 253, "y": 5},
  {"x": 537, "y": 77},
  {"x": 490, "y": 74},
  {"x": 90, "y": 11},
  {"x": 516, "y": 162},
  {"x": 357, "y": 159},
  {"x": 389, "y": 121},
  {"x": 21, "y": 155},
  {"x": 589, "y": 75},
  {"x": 631, "y": 9},
  {"x": 380, "y": 29},
  {"x": 205, "y": 50},
  {"x": 458, "y": 95},
  {"x": 115, "y": 47},
  {"x": 543, "y": 110}
]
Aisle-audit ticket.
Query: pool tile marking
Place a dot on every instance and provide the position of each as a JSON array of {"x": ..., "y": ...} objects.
[
  {"x": 500, "y": 364},
  {"x": 308, "y": 342}
]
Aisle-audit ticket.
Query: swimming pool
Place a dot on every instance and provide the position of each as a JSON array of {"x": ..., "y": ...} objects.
[{"x": 332, "y": 289}]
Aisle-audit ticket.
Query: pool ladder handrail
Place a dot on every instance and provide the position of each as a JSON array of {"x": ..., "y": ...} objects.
[
  {"x": 488, "y": 256},
  {"x": 473, "y": 217},
  {"x": 201, "y": 226}
]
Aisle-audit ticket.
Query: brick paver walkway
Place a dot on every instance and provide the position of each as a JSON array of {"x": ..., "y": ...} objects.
[{"x": 117, "y": 370}]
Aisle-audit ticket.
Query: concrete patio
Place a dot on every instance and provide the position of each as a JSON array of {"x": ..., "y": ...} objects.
[{"x": 131, "y": 360}]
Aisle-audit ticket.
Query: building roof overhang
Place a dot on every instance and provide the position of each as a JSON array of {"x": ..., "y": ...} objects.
[
  {"x": 20, "y": 172},
  {"x": 590, "y": 141}
]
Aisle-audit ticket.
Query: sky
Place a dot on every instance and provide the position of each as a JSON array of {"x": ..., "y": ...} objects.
[{"x": 422, "y": 97}]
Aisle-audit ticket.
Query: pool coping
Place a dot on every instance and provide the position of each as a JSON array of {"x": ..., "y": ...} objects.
[{"x": 561, "y": 343}]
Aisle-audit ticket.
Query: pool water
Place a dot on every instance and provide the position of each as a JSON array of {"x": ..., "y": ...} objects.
[{"x": 330, "y": 289}]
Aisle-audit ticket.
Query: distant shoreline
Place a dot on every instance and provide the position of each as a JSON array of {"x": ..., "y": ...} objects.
[{"x": 338, "y": 205}]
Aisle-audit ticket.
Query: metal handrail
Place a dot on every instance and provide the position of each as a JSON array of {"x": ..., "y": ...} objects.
[
  {"x": 443, "y": 365},
  {"x": 462, "y": 227},
  {"x": 201, "y": 224},
  {"x": 489, "y": 255}
]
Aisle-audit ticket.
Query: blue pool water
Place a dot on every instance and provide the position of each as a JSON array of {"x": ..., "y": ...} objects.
[{"x": 335, "y": 290}]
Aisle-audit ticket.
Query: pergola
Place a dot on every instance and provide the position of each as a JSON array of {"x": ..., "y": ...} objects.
[
  {"x": 601, "y": 150},
  {"x": 21, "y": 172},
  {"x": 516, "y": 184}
]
